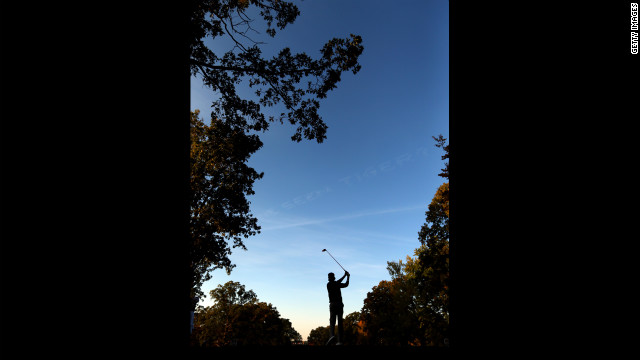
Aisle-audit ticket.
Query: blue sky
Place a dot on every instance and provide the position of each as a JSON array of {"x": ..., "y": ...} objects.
[{"x": 361, "y": 194}]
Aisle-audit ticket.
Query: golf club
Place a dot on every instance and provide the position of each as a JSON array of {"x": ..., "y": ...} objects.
[{"x": 334, "y": 259}]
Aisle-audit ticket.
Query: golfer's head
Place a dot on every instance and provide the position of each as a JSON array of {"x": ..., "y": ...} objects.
[{"x": 332, "y": 277}]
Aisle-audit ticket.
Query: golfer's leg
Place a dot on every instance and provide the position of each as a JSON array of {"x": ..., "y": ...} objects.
[
  {"x": 332, "y": 321},
  {"x": 340, "y": 329}
]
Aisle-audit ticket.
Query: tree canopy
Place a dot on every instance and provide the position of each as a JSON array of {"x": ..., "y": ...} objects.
[
  {"x": 220, "y": 181},
  {"x": 238, "y": 318},
  {"x": 220, "y": 177},
  {"x": 413, "y": 307},
  {"x": 319, "y": 336},
  {"x": 275, "y": 80},
  {"x": 441, "y": 143}
]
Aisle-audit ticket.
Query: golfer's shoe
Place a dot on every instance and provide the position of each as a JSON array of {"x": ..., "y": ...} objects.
[{"x": 330, "y": 340}]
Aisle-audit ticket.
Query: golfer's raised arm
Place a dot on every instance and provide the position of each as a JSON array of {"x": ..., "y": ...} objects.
[{"x": 346, "y": 283}]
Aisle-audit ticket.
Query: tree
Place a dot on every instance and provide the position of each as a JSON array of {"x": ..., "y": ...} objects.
[
  {"x": 275, "y": 80},
  {"x": 430, "y": 269},
  {"x": 220, "y": 179},
  {"x": 389, "y": 313},
  {"x": 290, "y": 333},
  {"x": 257, "y": 324},
  {"x": 319, "y": 336},
  {"x": 238, "y": 318},
  {"x": 353, "y": 331},
  {"x": 233, "y": 293},
  {"x": 441, "y": 143},
  {"x": 216, "y": 322},
  {"x": 413, "y": 307}
]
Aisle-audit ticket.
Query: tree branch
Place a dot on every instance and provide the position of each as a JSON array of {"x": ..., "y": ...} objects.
[{"x": 249, "y": 70}]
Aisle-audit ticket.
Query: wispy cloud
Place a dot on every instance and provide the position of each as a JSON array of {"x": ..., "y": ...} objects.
[{"x": 305, "y": 222}]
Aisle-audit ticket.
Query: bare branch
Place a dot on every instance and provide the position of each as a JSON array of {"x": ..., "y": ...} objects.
[
  {"x": 247, "y": 21},
  {"x": 238, "y": 44}
]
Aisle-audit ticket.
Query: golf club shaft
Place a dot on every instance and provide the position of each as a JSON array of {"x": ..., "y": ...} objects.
[{"x": 334, "y": 259}]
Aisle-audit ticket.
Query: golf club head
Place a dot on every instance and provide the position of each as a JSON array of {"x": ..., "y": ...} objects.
[{"x": 323, "y": 250}]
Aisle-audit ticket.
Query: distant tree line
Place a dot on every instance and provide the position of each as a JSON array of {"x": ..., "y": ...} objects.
[
  {"x": 238, "y": 318},
  {"x": 413, "y": 307}
]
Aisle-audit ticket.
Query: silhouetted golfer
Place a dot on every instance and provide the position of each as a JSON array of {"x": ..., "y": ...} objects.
[{"x": 335, "y": 304}]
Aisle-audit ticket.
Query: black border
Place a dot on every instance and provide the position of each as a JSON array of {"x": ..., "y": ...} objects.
[
  {"x": 94, "y": 178},
  {"x": 539, "y": 112}
]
